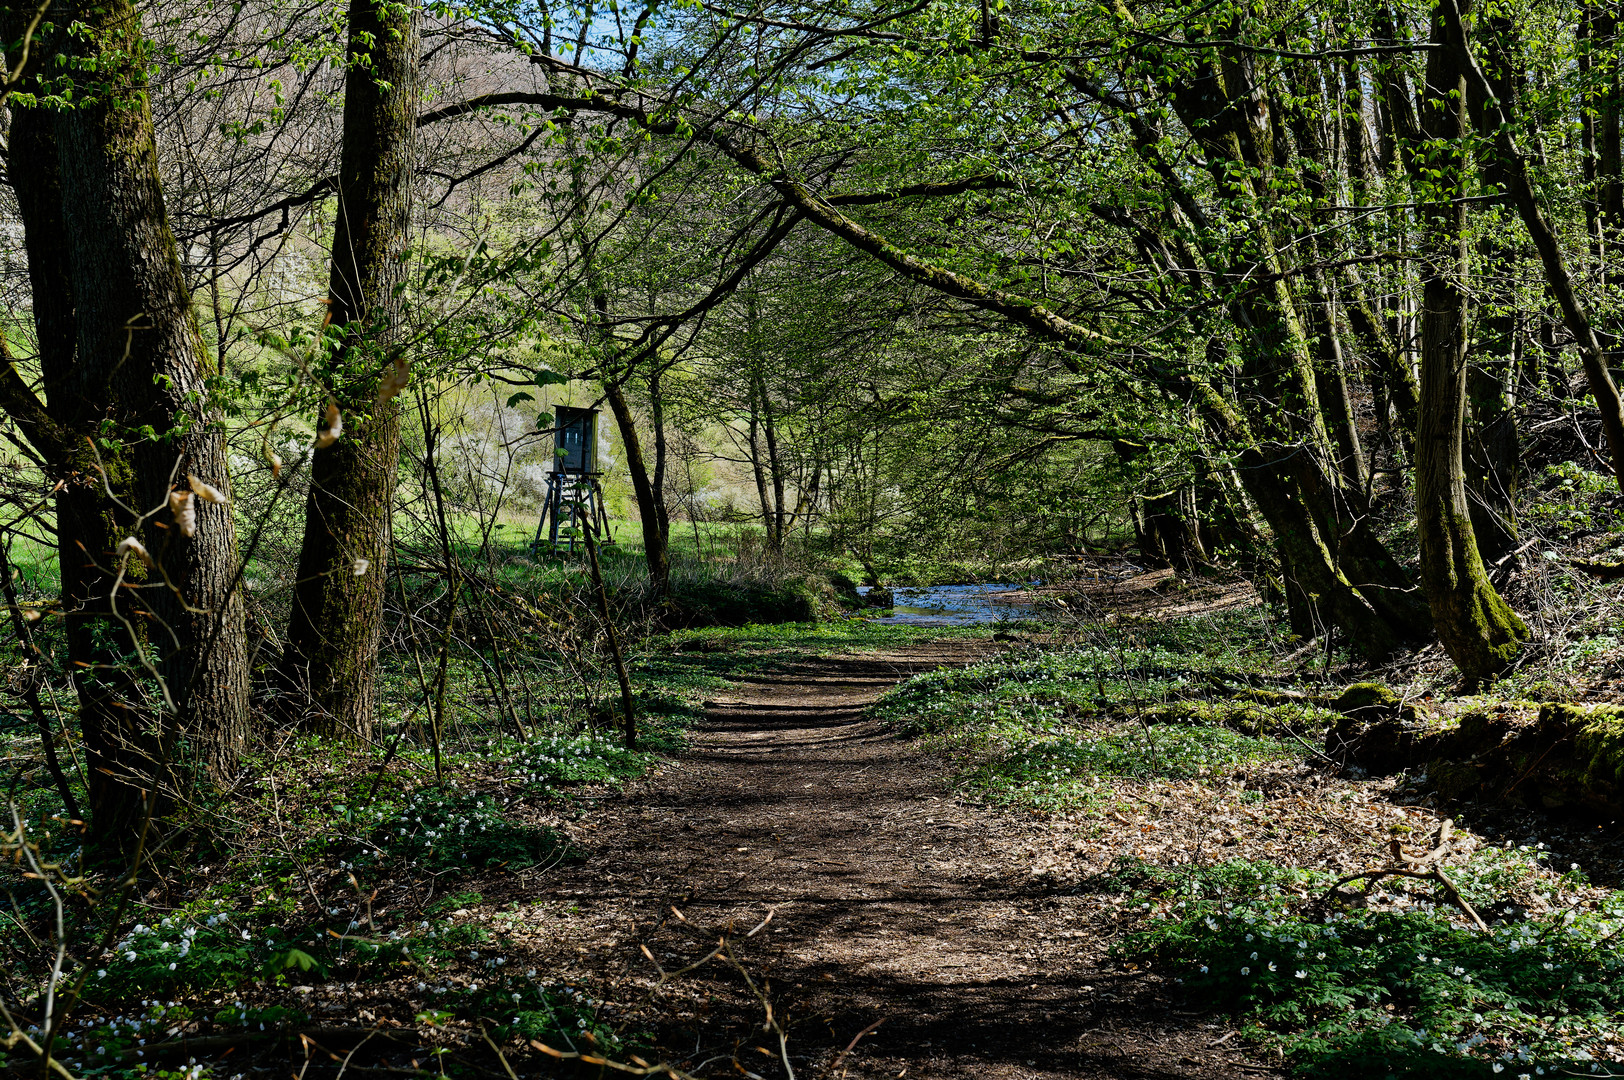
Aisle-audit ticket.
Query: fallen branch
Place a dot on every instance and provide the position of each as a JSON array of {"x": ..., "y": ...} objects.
[
  {"x": 1422, "y": 867},
  {"x": 1599, "y": 569}
]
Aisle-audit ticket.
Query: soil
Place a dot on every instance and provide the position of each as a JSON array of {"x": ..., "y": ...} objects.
[{"x": 889, "y": 901}]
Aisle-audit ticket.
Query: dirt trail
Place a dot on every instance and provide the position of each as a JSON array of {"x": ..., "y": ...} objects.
[{"x": 889, "y": 899}]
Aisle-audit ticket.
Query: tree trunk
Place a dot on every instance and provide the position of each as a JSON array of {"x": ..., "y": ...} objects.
[
  {"x": 1603, "y": 44},
  {"x": 1331, "y": 380},
  {"x": 656, "y": 552},
  {"x": 1584, "y": 47},
  {"x": 331, "y": 659},
  {"x": 1493, "y": 124},
  {"x": 117, "y": 727},
  {"x": 1478, "y": 629},
  {"x": 1492, "y": 447},
  {"x": 758, "y": 465},
  {"x": 775, "y": 468},
  {"x": 1376, "y": 613},
  {"x": 138, "y": 360},
  {"x": 656, "y": 408},
  {"x": 1386, "y": 358}
]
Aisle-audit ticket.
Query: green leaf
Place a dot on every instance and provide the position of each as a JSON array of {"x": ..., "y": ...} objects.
[
  {"x": 293, "y": 958},
  {"x": 520, "y": 398}
]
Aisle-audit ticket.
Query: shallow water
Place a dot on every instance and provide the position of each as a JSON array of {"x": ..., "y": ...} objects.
[{"x": 955, "y": 605}]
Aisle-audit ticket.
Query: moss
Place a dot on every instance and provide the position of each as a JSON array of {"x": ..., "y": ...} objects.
[
  {"x": 1246, "y": 717},
  {"x": 1599, "y": 746},
  {"x": 1367, "y": 695}
]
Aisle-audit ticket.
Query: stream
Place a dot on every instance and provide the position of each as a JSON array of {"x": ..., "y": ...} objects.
[{"x": 956, "y": 605}]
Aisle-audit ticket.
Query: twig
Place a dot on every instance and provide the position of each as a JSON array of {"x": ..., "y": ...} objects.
[{"x": 840, "y": 1057}]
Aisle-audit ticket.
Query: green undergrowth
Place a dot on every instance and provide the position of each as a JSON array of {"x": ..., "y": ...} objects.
[
  {"x": 439, "y": 831},
  {"x": 199, "y": 964},
  {"x": 1050, "y": 730},
  {"x": 1074, "y": 771},
  {"x": 1123, "y": 673},
  {"x": 1402, "y": 988}
]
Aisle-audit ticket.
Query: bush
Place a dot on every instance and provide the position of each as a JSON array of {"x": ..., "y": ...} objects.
[{"x": 799, "y": 597}]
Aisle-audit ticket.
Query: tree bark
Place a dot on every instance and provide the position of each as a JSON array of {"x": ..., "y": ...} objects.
[
  {"x": 1584, "y": 47},
  {"x": 775, "y": 468},
  {"x": 1492, "y": 446},
  {"x": 119, "y": 344},
  {"x": 656, "y": 541},
  {"x": 118, "y": 731},
  {"x": 1477, "y": 628},
  {"x": 1604, "y": 42},
  {"x": 656, "y": 408},
  {"x": 330, "y": 661}
]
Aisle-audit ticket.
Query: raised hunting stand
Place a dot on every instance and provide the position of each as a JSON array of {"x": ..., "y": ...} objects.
[{"x": 573, "y": 491}]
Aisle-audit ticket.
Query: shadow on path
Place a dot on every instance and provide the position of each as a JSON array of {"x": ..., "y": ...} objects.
[{"x": 888, "y": 899}]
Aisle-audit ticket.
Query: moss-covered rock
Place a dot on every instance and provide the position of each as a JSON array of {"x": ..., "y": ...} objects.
[
  {"x": 879, "y": 597},
  {"x": 1565, "y": 758},
  {"x": 1363, "y": 698}
]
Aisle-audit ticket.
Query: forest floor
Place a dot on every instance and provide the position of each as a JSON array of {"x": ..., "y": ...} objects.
[
  {"x": 891, "y": 900},
  {"x": 930, "y": 853}
]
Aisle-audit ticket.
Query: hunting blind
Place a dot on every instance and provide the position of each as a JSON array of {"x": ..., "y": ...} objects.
[{"x": 574, "y": 496}]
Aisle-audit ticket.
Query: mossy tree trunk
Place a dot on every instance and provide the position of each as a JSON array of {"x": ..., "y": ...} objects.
[
  {"x": 1287, "y": 457},
  {"x": 329, "y": 665},
  {"x": 1477, "y": 628},
  {"x": 160, "y": 670}
]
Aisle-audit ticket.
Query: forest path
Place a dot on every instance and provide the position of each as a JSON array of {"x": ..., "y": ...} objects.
[{"x": 890, "y": 900}]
